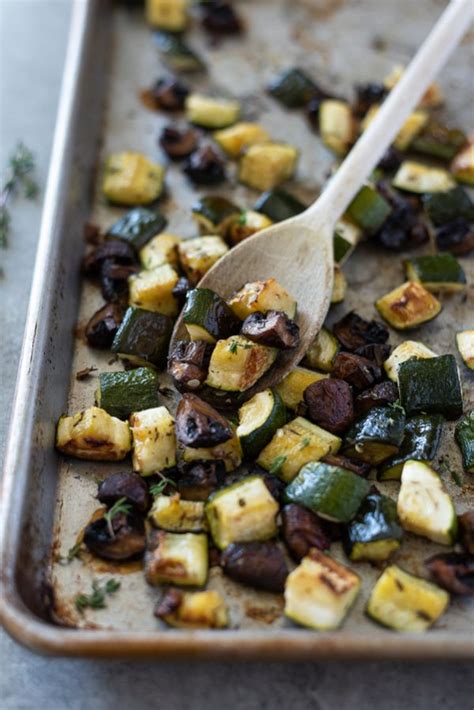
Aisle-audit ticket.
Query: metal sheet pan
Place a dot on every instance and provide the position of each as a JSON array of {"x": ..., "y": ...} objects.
[{"x": 46, "y": 499}]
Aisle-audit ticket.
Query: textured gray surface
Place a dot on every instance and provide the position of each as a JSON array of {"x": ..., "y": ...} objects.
[{"x": 32, "y": 43}]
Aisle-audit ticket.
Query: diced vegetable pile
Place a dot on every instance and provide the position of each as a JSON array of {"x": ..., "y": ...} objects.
[{"x": 318, "y": 448}]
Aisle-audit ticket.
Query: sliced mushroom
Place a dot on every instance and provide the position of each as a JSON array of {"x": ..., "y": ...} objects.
[
  {"x": 353, "y": 332},
  {"x": 378, "y": 352},
  {"x": 169, "y": 94},
  {"x": 200, "y": 425},
  {"x": 404, "y": 227},
  {"x": 466, "y": 529},
  {"x": 257, "y": 564},
  {"x": 356, "y": 370},
  {"x": 220, "y": 18},
  {"x": 114, "y": 279},
  {"x": 456, "y": 237},
  {"x": 367, "y": 95},
  {"x": 127, "y": 485},
  {"x": 391, "y": 160},
  {"x": 128, "y": 538},
  {"x": 453, "y": 571},
  {"x": 273, "y": 328},
  {"x": 169, "y": 603},
  {"x": 199, "y": 480},
  {"x": 302, "y": 530},
  {"x": 378, "y": 395},
  {"x": 102, "y": 327},
  {"x": 204, "y": 166},
  {"x": 180, "y": 291},
  {"x": 274, "y": 485},
  {"x": 359, "y": 467},
  {"x": 330, "y": 404},
  {"x": 114, "y": 250},
  {"x": 178, "y": 143},
  {"x": 188, "y": 363}
]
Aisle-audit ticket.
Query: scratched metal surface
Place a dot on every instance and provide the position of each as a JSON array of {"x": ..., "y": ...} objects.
[{"x": 339, "y": 43}]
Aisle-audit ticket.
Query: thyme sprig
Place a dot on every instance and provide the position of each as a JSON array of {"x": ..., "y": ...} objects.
[
  {"x": 96, "y": 600},
  {"x": 120, "y": 506},
  {"x": 72, "y": 554},
  {"x": 20, "y": 166},
  {"x": 157, "y": 488}
]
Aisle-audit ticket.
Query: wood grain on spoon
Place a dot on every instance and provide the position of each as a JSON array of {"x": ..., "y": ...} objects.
[{"x": 298, "y": 252}]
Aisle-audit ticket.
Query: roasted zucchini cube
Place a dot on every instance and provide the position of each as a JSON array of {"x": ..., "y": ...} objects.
[
  {"x": 229, "y": 452},
  {"x": 465, "y": 343},
  {"x": 162, "y": 249},
  {"x": 235, "y": 139},
  {"x": 193, "y": 610},
  {"x": 153, "y": 290},
  {"x": 154, "y": 440},
  {"x": 210, "y": 112},
  {"x": 93, "y": 435},
  {"x": 143, "y": 337},
  {"x": 292, "y": 386},
  {"x": 262, "y": 296},
  {"x": 376, "y": 436},
  {"x": 446, "y": 207},
  {"x": 408, "y": 306},
  {"x": 421, "y": 441},
  {"x": 462, "y": 166},
  {"x": 294, "y": 445},
  {"x": 440, "y": 272},
  {"x": 322, "y": 351},
  {"x": 339, "y": 286},
  {"x": 242, "y": 512},
  {"x": 375, "y": 532},
  {"x": 214, "y": 213},
  {"x": 174, "y": 558},
  {"x": 346, "y": 237},
  {"x": 293, "y": 88},
  {"x": 415, "y": 123},
  {"x": 170, "y": 15},
  {"x": 208, "y": 317},
  {"x": 177, "y": 54},
  {"x": 368, "y": 209},
  {"x": 267, "y": 165},
  {"x": 464, "y": 435},
  {"x": 259, "y": 418},
  {"x": 404, "y": 602},
  {"x": 123, "y": 392},
  {"x": 337, "y": 125},
  {"x": 197, "y": 255},
  {"x": 237, "y": 363},
  {"x": 132, "y": 179},
  {"x": 423, "y": 506},
  {"x": 432, "y": 96},
  {"x": 176, "y": 515},
  {"x": 403, "y": 352},
  {"x": 245, "y": 224},
  {"x": 419, "y": 178},
  {"x": 137, "y": 226},
  {"x": 279, "y": 205},
  {"x": 439, "y": 141},
  {"x": 320, "y": 592},
  {"x": 431, "y": 385}
]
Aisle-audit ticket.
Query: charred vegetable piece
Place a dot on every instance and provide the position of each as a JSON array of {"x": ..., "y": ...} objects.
[
  {"x": 369, "y": 209},
  {"x": 266, "y": 165},
  {"x": 262, "y": 296},
  {"x": 132, "y": 179},
  {"x": 210, "y": 112},
  {"x": 323, "y": 351},
  {"x": 259, "y": 418},
  {"x": 279, "y": 205},
  {"x": 181, "y": 290},
  {"x": 242, "y": 512},
  {"x": 320, "y": 591},
  {"x": 204, "y": 166},
  {"x": 177, "y": 54},
  {"x": 294, "y": 445},
  {"x": 421, "y": 440},
  {"x": 330, "y": 405},
  {"x": 143, "y": 337},
  {"x": 162, "y": 249},
  {"x": 439, "y": 141},
  {"x": 257, "y": 564},
  {"x": 137, "y": 226},
  {"x": 466, "y": 530},
  {"x": 154, "y": 440},
  {"x": 358, "y": 467},
  {"x": 332, "y": 493},
  {"x": 391, "y": 160},
  {"x": 220, "y": 18},
  {"x": 356, "y": 370},
  {"x": 128, "y": 539},
  {"x": 245, "y": 224},
  {"x": 403, "y": 352},
  {"x": 273, "y": 328},
  {"x": 423, "y": 506},
  {"x": 445, "y": 207},
  {"x": 453, "y": 571},
  {"x": 176, "y": 515},
  {"x": 367, "y": 95},
  {"x": 378, "y": 352},
  {"x": 102, "y": 327},
  {"x": 199, "y": 254},
  {"x": 462, "y": 166},
  {"x": 464, "y": 435},
  {"x": 192, "y": 610},
  {"x": 169, "y": 94},
  {"x": 188, "y": 363},
  {"x": 230, "y": 453},
  {"x": 404, "y": 227},
  {"x": 114, "y": 280},
  {"x": 377, "y": 435},
  {"x": 170, "y": 15},
  {"x": 292, "y": 387},
  {"x": 153, "y": 290},
  {"x": 415, "y": 177},
  {"x": 375, "y": 532},
  {"x": 302, "y": 530},
  {"x": 337, "y": 126},
  {"x": 93, "y": 435},
  {"x": 465, "y": 343},
  {"x": 456, "y": 237},
  {"x": 208, "y": 317},
  {"x": 440, "y": 272},
  {"x": 293, "y": 88},
  {"x": 198, "y": 424},
  {"x": 114, "y": 250},
  {"x": 177, "y": 143},
  {"x": 121, "y": 393},
  {"x": 200, "y": 479},
  {"x": 235, "y": 139},
  {"x": 347, "y": 235},
  {"x": 353, "y": 332},
  {"x": 126, "y": 485},
  {"x": 214, "y": 213},
  {"x": 176, "y": 558},
  {"x": 408, "y": 306},
  {"x": 379, "y": 395},
  {"x": 238, "y": 363},
  {"x": 431, "y": 385},
  {"x": 404, "y": 602}
]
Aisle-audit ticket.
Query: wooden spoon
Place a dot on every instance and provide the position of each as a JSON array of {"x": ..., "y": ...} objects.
[{"x": 298, "y": 252}]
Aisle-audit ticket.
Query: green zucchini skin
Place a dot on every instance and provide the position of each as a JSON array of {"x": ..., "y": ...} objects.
[
  {"x": 431, "y": 385},
  {"x": 138, "y": 226},
  {"x": 121, "y": 393},
  {"x": 464, "y": 435},
  {"x": 210, "y": 312},
  {"x": 421, "y": 441},
  {"x": 212, "y": 211},
  {"x": 144, "y": 337},
  {"x": 331, "y": 492},
  {"x": 436, "y": 271},
  {"x": 176, "y": 53},
  {"x": 256, "y": 440},
  {"x": 376, "y": 521},
  {"x": 439, "y": 141},
  {"x": 279, "y": 205},
  {"x": 293, "y": 88},
  {"x": 376, "y": 436},
  {"x": 369, "y": 209},
  {"x": 445, "y": 207}
]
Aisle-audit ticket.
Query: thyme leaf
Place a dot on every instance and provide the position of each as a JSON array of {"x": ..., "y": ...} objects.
[
  {"x": 96, "y": 600},
  {"x": 72, "y": 553},
  {"x": 20, "y": 166},
  {"x": 157, "y": 488},
  {"x": 277, "y": 464},
  {"x": 120, "y": 506}
]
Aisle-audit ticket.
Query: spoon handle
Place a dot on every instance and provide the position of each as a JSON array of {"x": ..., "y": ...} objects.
[{"x": 406, "y": 95}]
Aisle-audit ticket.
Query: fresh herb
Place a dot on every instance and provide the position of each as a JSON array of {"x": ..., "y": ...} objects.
[
  {"x": 277, "y": 464},
  {"x": 455, "y": 475},
  {"x": 242, "y": 218},
  {"x": 306, "y": 441},
  {"x": 233, "y": 347},
  {"x": 159, "y": 487},
  {"x": 73, "y": 552},
  {"x": 121, "y": 506},
  {"x": 96, "y": 600},
  {"x": 20, "y": 167}
]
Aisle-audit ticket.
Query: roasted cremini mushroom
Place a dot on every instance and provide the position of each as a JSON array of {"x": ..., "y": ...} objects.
[
  {"x": 302, "y": 530},
  {"x": 127, "y": 540},
  {"x": 367, "y": 95},
  {"x": 466, "y": 530},
  {"x": 273, "y": 328},
  {"x": 169, "y": 94},
  {"x": 177, "y": 143},
  {"x": 359, "y": 467},
  {"x": 204, "y": 166},
  {"x": 354, "y": 332},
  {"x": 257, "y": 564},
  {"x": 456, "y": 237},
  {"x": 126, "y": 485},
  {"x": 220, "y": 18},
  {"x": 115, "y": 250},
  {"x": 453, "y": 571},
  {"x": 356, "y": 370},
  {"x": 378, "y": 352},
  {"x": 378, "y": 395},
  {"x": 199, "y": 480},
  {"x": 114, "y": 279},
  {"x": 200, "y": 425},
  {"x": 188, "y": 363},
  {"x": 103, "y": 325},
  {"x": 180, "y": 291},
  {"x": 330, "y": 404}
]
